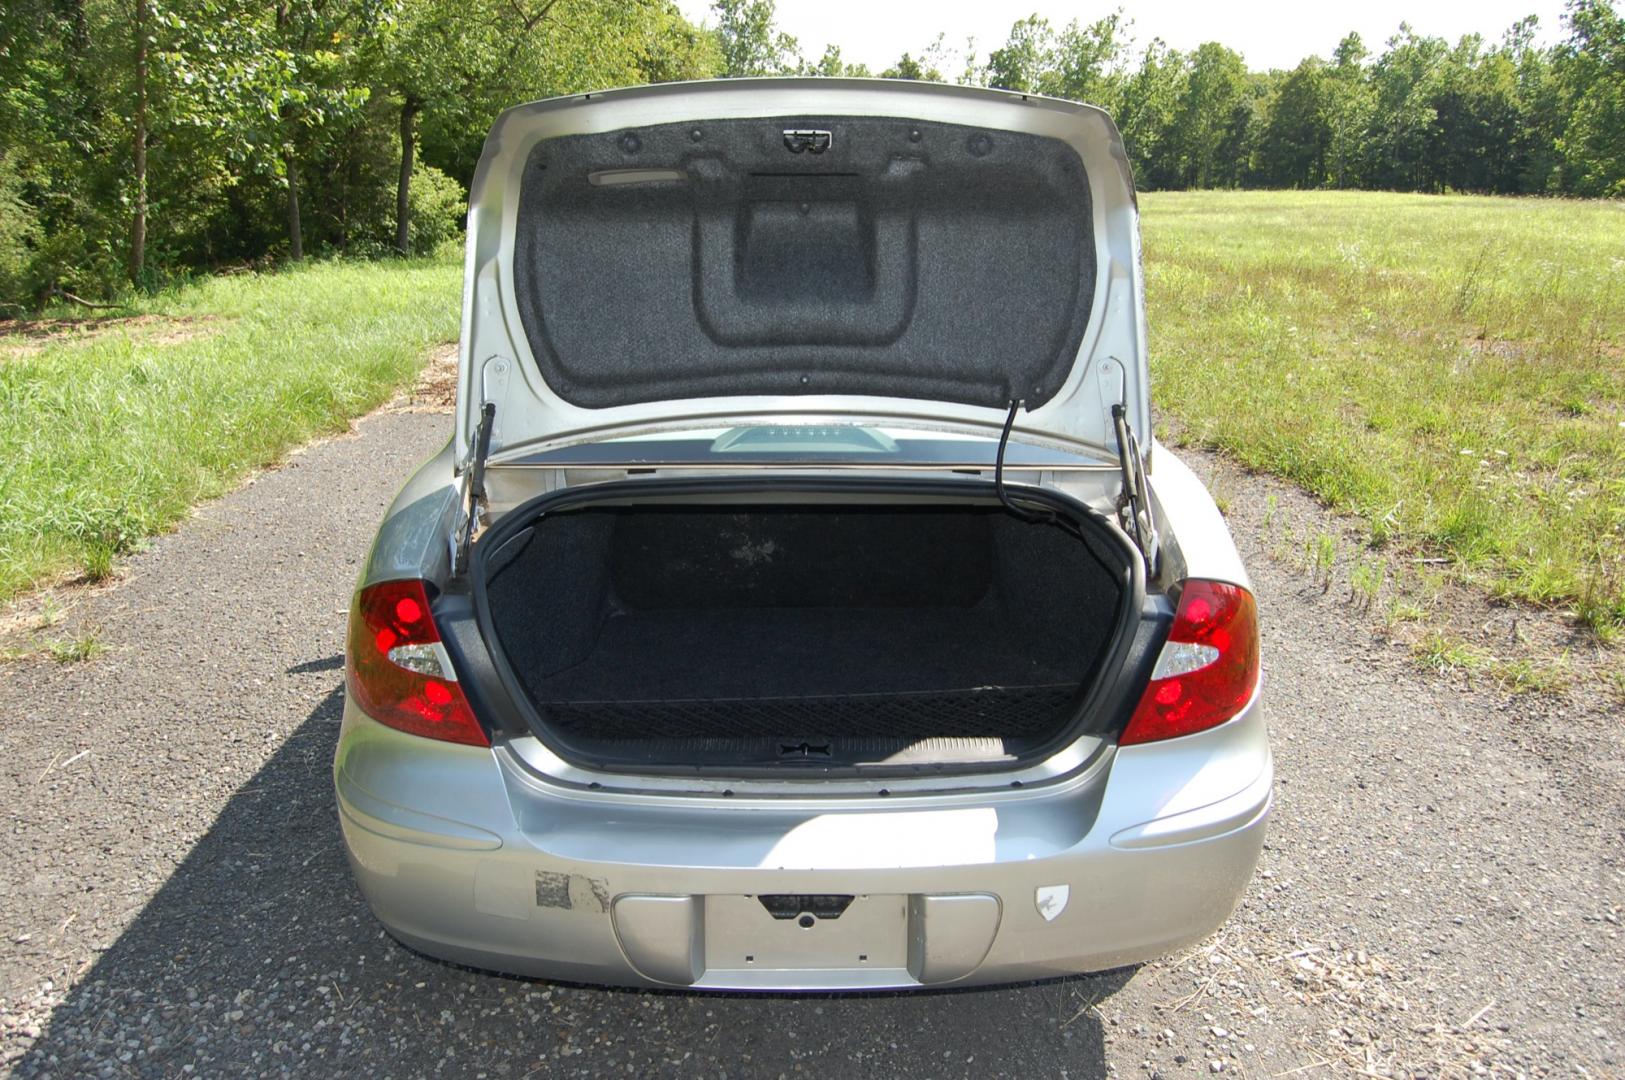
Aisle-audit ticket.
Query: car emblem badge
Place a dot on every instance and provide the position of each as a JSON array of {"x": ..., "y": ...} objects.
[{"x": 1051, "y": 900}]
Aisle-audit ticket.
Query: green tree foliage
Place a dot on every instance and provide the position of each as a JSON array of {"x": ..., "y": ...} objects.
[
  {"x": 909, "y": 68},
  {"x": 1150, "y": 103},
  {"x": 1507, "y": 118},
  {"x": 750, "y": 42},
  {"x": 277, "y": 129},
  {"x": 1296, "y": 139},
  {"x": 451, "y": 65},
  {"x": 1543, "y": 95},
  {"x": 19, "y": 230},
  {"x": 1025, "y": 61},
  {"x": 1091, "y": 62},
  {"x": 1593, "y": 142},
  {"x": 439, "y": 205},
  {"x": 1211, "y": 119},
  {"x": 1347, "y": 103},
  {"x": 1403, "y": 134}
]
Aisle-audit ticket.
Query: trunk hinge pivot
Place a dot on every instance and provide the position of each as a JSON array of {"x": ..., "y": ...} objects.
[
  {"x": 1134, "y": 505},
  {"x": 476, "y": 484}
]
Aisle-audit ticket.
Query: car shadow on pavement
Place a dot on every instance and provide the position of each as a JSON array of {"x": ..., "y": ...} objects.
[
  {"x": 326, "y": 663},
  {"x": 258, "y": 956}
]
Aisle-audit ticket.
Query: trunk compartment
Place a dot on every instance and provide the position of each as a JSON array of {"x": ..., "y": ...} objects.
[{"x": 777, "y": 629}]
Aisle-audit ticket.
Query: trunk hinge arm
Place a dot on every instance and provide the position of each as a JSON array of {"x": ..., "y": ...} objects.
[
  {"x": 1135, "y": 503},
  {"x": 476, "y": 484}
]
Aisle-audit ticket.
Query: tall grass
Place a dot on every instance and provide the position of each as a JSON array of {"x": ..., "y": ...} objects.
[
  {"x": 1451, "y": 369},
  {"x": 109, "y": 436}
]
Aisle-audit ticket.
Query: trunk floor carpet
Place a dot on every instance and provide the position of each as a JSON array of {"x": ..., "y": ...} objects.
[{"x": 741, "y": 673}]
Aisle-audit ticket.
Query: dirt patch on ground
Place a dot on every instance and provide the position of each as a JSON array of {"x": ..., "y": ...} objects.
[
  {"x": 26, "y": 337},
  {"x": 31, "y": 614},
  {"x": 44, "y": 623},
  {"x": 435, "y": 390},
  {"x": 1346, "y": 1008}
]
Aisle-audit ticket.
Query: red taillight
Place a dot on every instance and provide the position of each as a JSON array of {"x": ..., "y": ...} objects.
[
  {"x": 397, "y": 670},
  {"x": 1207, "y": 670}
]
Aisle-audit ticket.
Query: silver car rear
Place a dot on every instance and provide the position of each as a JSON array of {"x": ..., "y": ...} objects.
[{"x": 814, "y": 641}]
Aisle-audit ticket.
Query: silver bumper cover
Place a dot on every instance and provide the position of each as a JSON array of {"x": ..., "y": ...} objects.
[{"x": 465, "y": 854}]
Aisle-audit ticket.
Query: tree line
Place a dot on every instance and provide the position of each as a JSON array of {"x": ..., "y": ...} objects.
[
  {"x": 1507, "y": 117},
  {"x": 141, "y": 140},
  {"x": 144, "y": 140}
]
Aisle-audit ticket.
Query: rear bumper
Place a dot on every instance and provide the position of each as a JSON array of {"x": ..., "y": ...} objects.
[{"x": 465, "y": 855}]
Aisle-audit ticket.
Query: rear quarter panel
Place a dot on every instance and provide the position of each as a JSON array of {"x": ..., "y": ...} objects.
[
  {"x": 1198, "y": 542},
  {"x": 414, "y": 539}
]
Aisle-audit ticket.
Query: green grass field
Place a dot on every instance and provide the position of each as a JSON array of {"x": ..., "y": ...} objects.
[
  {"x": 110, "y": 431},
  {"x": 1450, "y": 369}
]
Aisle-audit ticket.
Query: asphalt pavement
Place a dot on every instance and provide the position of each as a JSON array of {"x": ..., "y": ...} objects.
[{"x": 1441, "y": 893}]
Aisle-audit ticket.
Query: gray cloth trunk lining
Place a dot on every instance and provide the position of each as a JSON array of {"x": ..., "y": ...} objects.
[{"x": 926, "y": 261}]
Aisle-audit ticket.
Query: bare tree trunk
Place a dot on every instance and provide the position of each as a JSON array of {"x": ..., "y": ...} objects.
[
  {"x": 290, "y": 165},
  {"x": 403, "y": 190},
  {"x": 296, "y": 240},
  {"x": 138, "y": 221}
]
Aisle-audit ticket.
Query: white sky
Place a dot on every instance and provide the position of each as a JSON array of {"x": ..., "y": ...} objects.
[{"x": 1276, "y": 33}]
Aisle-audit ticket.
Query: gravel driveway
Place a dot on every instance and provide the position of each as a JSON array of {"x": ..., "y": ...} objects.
[{"x": 1441, "y": 892}]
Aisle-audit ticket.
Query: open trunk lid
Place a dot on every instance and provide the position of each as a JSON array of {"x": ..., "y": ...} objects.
[{"x": 847, "y": 249}]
